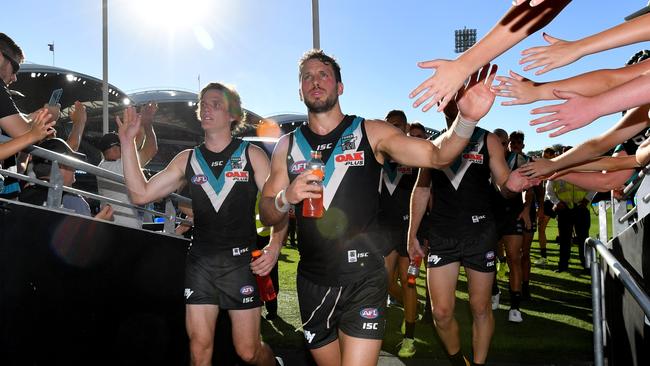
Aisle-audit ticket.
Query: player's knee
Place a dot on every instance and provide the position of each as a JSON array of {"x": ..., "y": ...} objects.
[
  {"x": 249, "y": 352},
  {"x": 481, "y": 309},
  {"x": 201, "y": 351},
  {"x": 248, "y": 355},
  {"x": 443, "y": 314}
]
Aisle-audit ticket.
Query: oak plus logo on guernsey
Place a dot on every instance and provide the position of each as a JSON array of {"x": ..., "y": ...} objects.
[
  {"x": 350, "y": 159},
  {"x": 237, "y": 175},
  {"x": 199, "y": 179},
  {"x": 473, "y": 158}
]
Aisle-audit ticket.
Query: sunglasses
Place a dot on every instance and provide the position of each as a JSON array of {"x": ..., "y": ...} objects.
[{"x": 15, "y": 66}]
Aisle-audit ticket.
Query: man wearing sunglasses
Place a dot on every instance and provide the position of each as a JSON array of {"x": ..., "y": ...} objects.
[{"x": 11, "y": 120}]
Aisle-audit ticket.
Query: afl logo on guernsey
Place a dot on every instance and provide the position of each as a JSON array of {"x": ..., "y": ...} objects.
[
  {"x": 199, "y": 179},
  {"x": 298, "y": 167},
  {"x": 369, "y": 313},
  {"x": 237, "y": 175},
  {"x": 350, "y": 159},
  {"x": 247, "y": 290}
]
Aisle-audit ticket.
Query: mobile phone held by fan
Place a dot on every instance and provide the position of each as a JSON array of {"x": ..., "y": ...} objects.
[{"x": 55, "y": 97}]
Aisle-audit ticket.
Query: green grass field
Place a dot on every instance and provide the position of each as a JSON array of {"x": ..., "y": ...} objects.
[{"x": 557, "y": 327}]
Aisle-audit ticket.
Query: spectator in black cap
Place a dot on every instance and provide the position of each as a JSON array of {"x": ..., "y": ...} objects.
[
  {"x": 37, "y": 194},
  {"x": 109, "y": 145}
]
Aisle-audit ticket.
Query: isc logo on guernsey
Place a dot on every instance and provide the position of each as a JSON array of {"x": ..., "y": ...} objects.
[{"x": 350, "y": 159}]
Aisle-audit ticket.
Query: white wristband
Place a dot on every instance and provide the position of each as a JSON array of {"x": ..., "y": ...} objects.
[
  {"x": 285, "y": 204},
  {"x": 464, "y": 128}
]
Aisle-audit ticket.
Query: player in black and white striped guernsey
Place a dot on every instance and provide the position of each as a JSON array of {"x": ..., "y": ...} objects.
[
  {"x": 224, "y": 175},
  {"x": 341, "y": 278}
]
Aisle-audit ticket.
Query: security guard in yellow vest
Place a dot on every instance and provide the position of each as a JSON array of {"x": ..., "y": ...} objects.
[{"x": 570, "y": 202}]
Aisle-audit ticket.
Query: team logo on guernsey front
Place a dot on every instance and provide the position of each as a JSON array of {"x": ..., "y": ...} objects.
[
  {"x": 349, "y": 142},
  {"x": 199, "y": 179},
  {"x": 298, "y": 167},
  {"x": 350, "y": 159},
  {"x": 236, "y": 162},
  {"x": 237, "y": 175}
]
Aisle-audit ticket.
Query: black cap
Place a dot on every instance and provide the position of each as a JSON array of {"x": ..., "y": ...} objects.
[
  {"x": 57, "y": 145},
  {"x": 108, "y": 140}
]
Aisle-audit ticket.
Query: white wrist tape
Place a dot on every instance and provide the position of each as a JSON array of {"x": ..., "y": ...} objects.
[
  {"x": 464, "y": 128},
  {"x": 285, "y": 204}
]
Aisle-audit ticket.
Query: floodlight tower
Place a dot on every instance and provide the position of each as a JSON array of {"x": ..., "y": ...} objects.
[{"x": 465, "y": 38}]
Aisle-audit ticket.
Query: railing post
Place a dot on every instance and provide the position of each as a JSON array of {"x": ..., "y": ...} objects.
[
  {"x": 643, "y": 207},
  {"x": 619, "y": 209},
  {"x": 596, "y": 303},
  {"x": 170, "y": 217},
  {"x": 602, "y": 221},
  {"x": 55, "y": 194}
]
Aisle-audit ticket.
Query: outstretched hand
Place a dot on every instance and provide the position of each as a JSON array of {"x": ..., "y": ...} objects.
[
  {"x": 557, "y": 54},
  {"x": 147, "y": 112},
  {"x": 518, "y": 182},
  {"x": 475, "y": 99},
  {"x": 129, "y": 125},
  {"x": 79, "y": 114},
  {"x": 441, "y": 87},
  {"x": 578, "y": 111},
  {"x": 517, "y": 87},
  {"x": 538, "y": 168},
  {"x": 42, "y": 125}
]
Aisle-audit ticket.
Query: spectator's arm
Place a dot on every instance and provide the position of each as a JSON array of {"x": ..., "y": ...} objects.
[
  {"x": 79, "y": 117},
  {"x": 579, "y": 110},
  {"x": 518, "y": 23},
  {"x": 559, "y": 53},
  {"x": 632, "y": 123},
  {"x": 41, "y": 127},
  {"x": 524, "y": 91}
]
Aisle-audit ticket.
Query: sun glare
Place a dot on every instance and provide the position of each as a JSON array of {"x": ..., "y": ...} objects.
[{"x": 172, "y": 14}]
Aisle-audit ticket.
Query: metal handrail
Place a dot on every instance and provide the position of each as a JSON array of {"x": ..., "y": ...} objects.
[
  {"x": 596, "y": 246},
  {"x": 89, "y": 168},
  {"x": 88, "y": 194}
]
